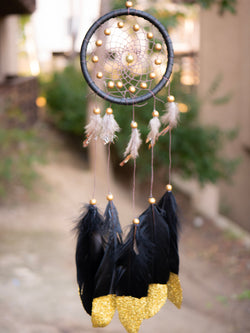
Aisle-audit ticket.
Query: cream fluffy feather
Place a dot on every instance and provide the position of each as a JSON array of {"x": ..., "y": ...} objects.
[
  {"x": 134, "y": 144},
  {"x": 171, "y": 117},
  {"x": 109, "y": 127}
]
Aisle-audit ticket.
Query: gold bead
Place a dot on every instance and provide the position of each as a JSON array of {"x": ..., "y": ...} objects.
[
  {"x": 151, "y": 200},
  {"x": 98, "y": 42},
  {"x": 158, "y": 46},
  {"x": 119, "y": 84},
  {"x": 109, "y": 111},
  {"x": 120, "y": 24},
  {"x": 92, "y": 202},
  {"x": 97, "y": 111},
  {"x": 136, "y": 27},
  {"x": 171, "y": 98},
  {"x": 143, "y": 85},
  {"x": 158, "y": 61},
  {"x": 155, "y": 113},
  {"x": 132, "y": 89},
  {"x": 136, "y": 221},
  {"x": 169, "y": 187},
  {"x": 150, "y": 35},
  {"x": 133, "y": 124},
  {"x": 129, "y": 4},
  {"x": 99, "y": 75},
  {"x": 107, "y": 32},
  {"x": 129, "y": 58},
  {"x": 152, "y": 75},
  {"x": 95, "y": 59},
  {"x": 111, "y": 84},
  {"x": 110, "y": 197}
]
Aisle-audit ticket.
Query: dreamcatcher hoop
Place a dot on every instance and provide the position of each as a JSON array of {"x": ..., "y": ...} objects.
[{"x": 170, "y": 57}]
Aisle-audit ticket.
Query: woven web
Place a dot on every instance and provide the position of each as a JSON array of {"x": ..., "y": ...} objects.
[{"x": 114, "y": 51}]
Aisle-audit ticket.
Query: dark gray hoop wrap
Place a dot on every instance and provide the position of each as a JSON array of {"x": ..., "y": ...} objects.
[{"x": 92, "y": 30}]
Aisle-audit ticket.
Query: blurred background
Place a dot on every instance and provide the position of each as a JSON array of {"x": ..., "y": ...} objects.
[{"x": 46, "y": 176}]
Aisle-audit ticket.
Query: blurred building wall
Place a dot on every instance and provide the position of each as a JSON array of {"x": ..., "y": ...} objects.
[
  {"x": 225, "y": 49},
  {"x": 8, "y": 45}
]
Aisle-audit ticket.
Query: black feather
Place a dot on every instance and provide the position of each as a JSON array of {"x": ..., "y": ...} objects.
[
  {"x": 89, "y": 253},
  {"x": 153, "y": 221},
  {"x": 105, "y": 275},
  {"x": 168, "y": 204},
  {"x": 133, "y": 264}
]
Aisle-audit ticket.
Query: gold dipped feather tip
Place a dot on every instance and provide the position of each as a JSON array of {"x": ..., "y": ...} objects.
[
  {"x": 175, "y": 290},
  {"x": 131, "y": 312},
  {"x": 103, "y": 310},
  {"x": 157, "y": 297}
]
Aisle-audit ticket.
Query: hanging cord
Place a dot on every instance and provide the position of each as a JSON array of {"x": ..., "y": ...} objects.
[
  {"x": 108, "y": 168},
  {"x": 94, "y": 177},
  {"x": 169, "y": 147},
  {"x": 134, "y": 170},
  {"x": 152, "y": 172},
  {"x": 170, "y": 157}
]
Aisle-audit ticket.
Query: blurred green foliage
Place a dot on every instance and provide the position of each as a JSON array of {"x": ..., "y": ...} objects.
[
  {"x": 66, "y": 99},
  {"x": 20, "y": 150},
  {"x": 196, "y": 149}
]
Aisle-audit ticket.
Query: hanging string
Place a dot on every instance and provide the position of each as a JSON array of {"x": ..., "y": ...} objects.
[
  {"x": 170, "y": 157},
  {"x": 134, "y": 170},
  {"x": 169, "y": 147},
  {"x": 133, "y": 196},
  {"x": 94, "y": 178},
  {"x": 108, "y": 168},
  {"x": 152, "y": 172}
]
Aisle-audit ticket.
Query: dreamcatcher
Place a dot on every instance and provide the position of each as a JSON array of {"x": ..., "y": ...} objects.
[{"x": 127, "y": 58}]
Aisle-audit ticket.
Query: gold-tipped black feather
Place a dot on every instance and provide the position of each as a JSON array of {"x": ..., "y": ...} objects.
[
  {"x": 106, "y": 273},
  {"x": 152, "y": 220},
  {"x": 133, "y": 263},
  {"x": 168, "y": 204},
  {"x": 89, "y": 252}
]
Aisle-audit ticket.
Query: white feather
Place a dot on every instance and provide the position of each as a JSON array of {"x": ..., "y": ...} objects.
[
  {"x": 109, "y": 127},
  {"x": 154, "y": 126},
  {"x": 171, "y": 117},
  {"x": 134, "y": 144},
  {"x": 93, "y": 129}
]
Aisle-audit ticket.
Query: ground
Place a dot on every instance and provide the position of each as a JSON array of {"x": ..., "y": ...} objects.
[{"x": 38, "y": 290}]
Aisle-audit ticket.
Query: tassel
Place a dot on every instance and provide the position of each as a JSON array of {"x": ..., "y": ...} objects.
[
  {"x": 154, "y": 126},
  {"x": 109, "y": 127},
  {"x": 89, "y": 252},
  {"x": 153, "y": 221},
  {"x": 104, "y": 303},
  {"x": 133, "y": 145},
  {"x": 171, "y": 117},
  {"x": 168, "y": 204},
  {"x": 133, "y": 276},
  {"x": 93, "y": 129}
]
